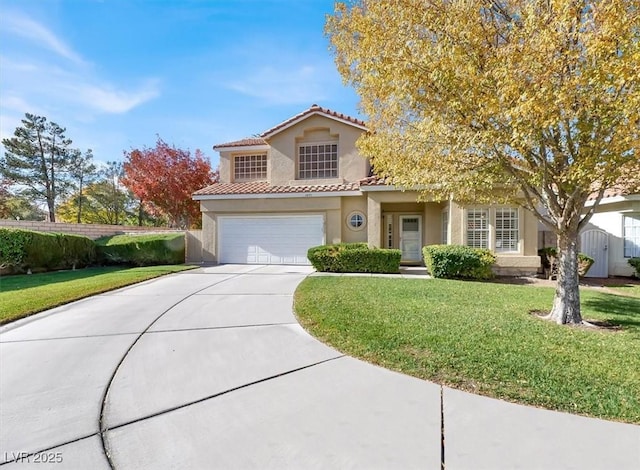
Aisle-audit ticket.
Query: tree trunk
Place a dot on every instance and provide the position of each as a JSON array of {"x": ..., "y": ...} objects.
[
  {"x": 566, "y": 303},
  {"x": 52, "y": 211}
]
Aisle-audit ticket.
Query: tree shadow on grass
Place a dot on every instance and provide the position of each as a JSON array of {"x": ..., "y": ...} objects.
[{"x": 619, "y": 310}]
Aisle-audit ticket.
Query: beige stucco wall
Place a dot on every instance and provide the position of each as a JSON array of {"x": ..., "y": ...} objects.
[
  {"x": 351, "y": 166},
  {"x": 349, "y": 205}
]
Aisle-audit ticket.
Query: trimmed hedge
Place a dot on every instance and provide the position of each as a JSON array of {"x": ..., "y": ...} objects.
[
  {"x": 354, "y": 258},
  {"x": 23, "y": 250},
  {"x": 142, "y": 250},
  {"x": 458, "y": 262},
  {"x": 635, "y": 263}
]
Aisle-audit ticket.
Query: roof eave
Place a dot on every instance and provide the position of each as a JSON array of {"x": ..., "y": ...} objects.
[
  {"x": 242, "y": 148},
  {"x": 277, "y": 129},
  {"x": 214, "y": 197}
]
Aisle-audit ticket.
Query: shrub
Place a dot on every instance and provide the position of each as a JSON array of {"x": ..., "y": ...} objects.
[
  {"x": 21, "y": 250},
  {"x": 458, "y": 262},
  {"x": 354, "y": 258},
  {"x": 142, "y": 250},
  {"x": 549, "y": 256},
  {"x": 635, "y": 263}
]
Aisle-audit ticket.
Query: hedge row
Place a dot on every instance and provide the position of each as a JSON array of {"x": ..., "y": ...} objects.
[
  {"x": 24, "y": 250},
  {"x": 27, "y": 250},
  {"x": 142, "y": 250},
  {"x": 458, "y": 262},
  {"x": 354, "y": 258}
]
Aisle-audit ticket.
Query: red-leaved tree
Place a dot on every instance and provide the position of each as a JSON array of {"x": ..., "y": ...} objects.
[{"x": 163, "y": 179}]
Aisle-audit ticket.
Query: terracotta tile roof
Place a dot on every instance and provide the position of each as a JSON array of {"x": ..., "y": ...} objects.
[
  {"x": 314, "y": 109},
  {"x": 242, "y": 143},
  {"x": 622, "y": 189},
  {"x": 262, "y": 187},
  {"x": 373, "y": 181}
]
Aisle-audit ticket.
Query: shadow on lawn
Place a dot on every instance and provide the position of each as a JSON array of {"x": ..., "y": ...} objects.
[{"x": 619, "y": 310}]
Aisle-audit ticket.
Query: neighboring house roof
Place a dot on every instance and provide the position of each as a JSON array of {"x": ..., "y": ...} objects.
[
  {"x": 313, "y": 110},
  {"x": 263, "y": 187}
]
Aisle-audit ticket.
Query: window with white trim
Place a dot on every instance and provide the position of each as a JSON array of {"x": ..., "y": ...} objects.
[
  {"x": 250, "y": 167},
  {"x": 478, "y": 228},
  {"x": 317, "y": 161},
  {"x": 507, "y": 229},
  {"x": 631, "y": 236}
]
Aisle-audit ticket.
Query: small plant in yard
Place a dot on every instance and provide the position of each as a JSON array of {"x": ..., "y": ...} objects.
[
  {"x": 635, "y": 263},
  {"x": 549, "y": 259}
]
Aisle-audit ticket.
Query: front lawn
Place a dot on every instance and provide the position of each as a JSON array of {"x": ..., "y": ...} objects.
[
  {"x": 23, "y": 295},
  {"x": 629, "y": 289},
  {"x": 480, "y": 337}
]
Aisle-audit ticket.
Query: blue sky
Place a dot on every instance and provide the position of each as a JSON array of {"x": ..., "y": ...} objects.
[{"x": 197, "y": 73}]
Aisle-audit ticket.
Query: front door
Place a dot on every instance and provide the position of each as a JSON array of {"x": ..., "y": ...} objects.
[{"x": 411, "y": 237}]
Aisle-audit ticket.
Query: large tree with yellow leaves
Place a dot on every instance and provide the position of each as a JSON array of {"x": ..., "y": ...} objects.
[{"x": 535, "y": 102}]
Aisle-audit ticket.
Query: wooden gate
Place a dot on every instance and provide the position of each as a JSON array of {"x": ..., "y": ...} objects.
[{"x": 595, "y": 243}]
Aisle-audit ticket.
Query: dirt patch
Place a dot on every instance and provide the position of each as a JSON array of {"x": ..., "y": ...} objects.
[{"x": 588, "y": 324}]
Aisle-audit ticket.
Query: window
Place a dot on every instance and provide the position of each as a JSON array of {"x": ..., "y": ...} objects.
[
  {"x": 507, "y": 230},
  {"x": 250, "y": 167},
  {"x": 318, "y": 161},
  {"x": 478, "y": 228},
  {"x": 445, "y": 226},
  {"x": 356, "y": 220},
  {"x": 631, "y": 236},
  {"x": 389, "y": 231}
]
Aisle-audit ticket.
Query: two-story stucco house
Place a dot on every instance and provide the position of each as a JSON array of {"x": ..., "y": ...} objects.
[{"x": 303, "y": 183}]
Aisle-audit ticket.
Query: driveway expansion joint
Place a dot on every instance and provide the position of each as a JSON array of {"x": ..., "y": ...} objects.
[
  {"x": 106, "y": 335},
  {"x": 102, "y": 428},
  {"x": 50, "y": 448},
  {"x": 226, "y": 327},
  {"x": 219, "y": 394}
]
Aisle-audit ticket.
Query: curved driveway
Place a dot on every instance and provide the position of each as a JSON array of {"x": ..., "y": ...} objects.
[{"x": 209, "y": 369}]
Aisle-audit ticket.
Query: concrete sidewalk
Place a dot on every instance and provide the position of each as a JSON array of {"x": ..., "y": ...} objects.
[{"x": 209, "y": 369}]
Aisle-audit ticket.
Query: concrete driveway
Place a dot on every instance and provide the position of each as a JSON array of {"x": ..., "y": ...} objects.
[{"x": 209, "y": 369}]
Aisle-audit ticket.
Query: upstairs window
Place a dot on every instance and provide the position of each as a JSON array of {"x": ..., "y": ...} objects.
[
  {"x": 507, "y": 230},
  {"x": 631, "y": 236},
  {"x": 478, "y": 228},
  {"x": 317, "y": 161},
  {"x": 250, "y": 167}
]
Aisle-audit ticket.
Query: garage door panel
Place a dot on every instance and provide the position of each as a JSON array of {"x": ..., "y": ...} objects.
[{"x": 269, "y": 239}]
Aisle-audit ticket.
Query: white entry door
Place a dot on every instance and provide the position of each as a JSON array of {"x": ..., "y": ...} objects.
[
  {"x": 594, "y": 243},
  {"x": 268, "y": 239},
  {"x": 411, "y": 237}
]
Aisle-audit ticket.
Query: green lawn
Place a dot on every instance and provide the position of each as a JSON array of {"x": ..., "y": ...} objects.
[
  {"x": 632, "y": 290},
  {"x": 480, "y": 337},
  {"x": 26, "y": 294}
]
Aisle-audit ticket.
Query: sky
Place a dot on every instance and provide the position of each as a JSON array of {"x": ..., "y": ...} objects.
[{"x": 117, "y": 74}]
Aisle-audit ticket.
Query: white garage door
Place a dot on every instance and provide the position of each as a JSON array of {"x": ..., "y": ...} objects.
[{"x": 269, "y": 239}]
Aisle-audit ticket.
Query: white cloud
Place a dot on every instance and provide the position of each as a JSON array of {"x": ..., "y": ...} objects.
[
  {"x": 303, "y": 84},
  {"x": 53, "y": 82},
  {"x": 109, "y": 100},
  {"x": 21, "y": 25}
]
